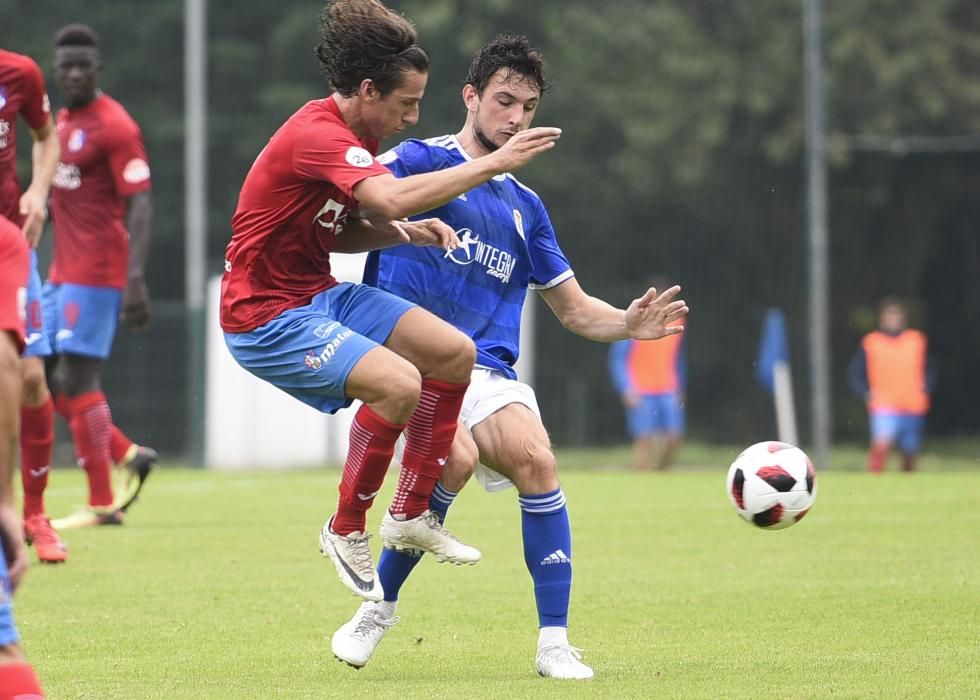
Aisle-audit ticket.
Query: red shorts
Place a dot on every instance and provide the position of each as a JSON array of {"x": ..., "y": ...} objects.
[{"x": 14, "y": 262}]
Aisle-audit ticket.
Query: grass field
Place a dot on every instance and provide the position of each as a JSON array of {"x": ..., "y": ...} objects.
[{"x": 215, "y": 589}]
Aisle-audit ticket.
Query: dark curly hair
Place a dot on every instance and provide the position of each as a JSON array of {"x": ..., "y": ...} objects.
[
  {"x": 510, "y": 52},
  {"x": 76, "y": 35},
  {"x": 363, "y": 39}
]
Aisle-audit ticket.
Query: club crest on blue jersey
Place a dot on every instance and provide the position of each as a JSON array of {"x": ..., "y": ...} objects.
[{"x": 76, "y": 139}]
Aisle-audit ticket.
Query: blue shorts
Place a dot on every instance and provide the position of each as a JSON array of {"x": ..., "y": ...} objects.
[
  {"x": 309, "y": 351},
  {"x": 656, "y": 413},
  {"x": 37, "y": 340},
  {"x": 8, "y": 630},
  {"x": 905, "y": 429},
  {"x": 81, "y": 319}
]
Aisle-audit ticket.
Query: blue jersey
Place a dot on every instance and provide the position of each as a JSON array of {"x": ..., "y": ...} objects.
[{"x": 507, "y": 245}]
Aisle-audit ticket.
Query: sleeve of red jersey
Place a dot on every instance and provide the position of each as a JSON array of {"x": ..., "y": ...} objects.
[
  {"x": 338, "y": 158},
  {"x": 127, "y": 159},
  {"x": 37, "y": 108}
]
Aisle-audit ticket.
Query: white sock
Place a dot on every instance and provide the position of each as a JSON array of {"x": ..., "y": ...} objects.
[
  {"x": 552, "y": 637},
  {"x": 387, "y": 608}
]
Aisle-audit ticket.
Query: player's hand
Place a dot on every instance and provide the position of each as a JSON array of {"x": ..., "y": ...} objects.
[
  {"x": 12, "y": 535},
  {"x": 430, "y": 232},
  {"x": 524, "y": 146},
  {"x": 653, "y": 315},
  {"x": 35, "y": 213},
  {"x": 136, "y": 305}
]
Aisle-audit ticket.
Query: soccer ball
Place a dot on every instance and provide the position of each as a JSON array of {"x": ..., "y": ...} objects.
[{"x": 772, "y": 484}]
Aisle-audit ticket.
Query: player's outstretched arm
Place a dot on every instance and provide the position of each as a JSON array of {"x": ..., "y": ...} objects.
[
  {"x": 397, "y": 198},
  {"x": 650, "y": 317},
  {"x": 361, "y": 235}
]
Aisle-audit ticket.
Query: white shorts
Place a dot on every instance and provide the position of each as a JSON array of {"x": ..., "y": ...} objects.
[{"x": 490, "y": 391}]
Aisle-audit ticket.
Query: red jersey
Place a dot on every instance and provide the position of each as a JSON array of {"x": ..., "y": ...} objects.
[
  {"x": 103, "y": 162},
  {"x": 14, "y": 263},
  {"x": 294, "y": 202},
  {"x": 21, "y": 92}
]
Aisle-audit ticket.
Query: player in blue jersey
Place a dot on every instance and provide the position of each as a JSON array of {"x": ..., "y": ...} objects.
[{"x": 507, "y": 245}]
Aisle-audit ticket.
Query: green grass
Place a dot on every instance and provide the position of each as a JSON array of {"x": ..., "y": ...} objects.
[{"x": 215, "y": 589}]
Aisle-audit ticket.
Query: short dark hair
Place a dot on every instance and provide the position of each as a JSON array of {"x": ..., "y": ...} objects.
[
  {"x": 891, "y": 302},
  {"x": 363, "y": 39},
  {"x": 76, "y": 35},
  {"x": 512, "y": 52}
]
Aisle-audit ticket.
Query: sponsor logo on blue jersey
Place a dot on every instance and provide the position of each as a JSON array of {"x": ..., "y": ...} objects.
[{"x": 498, "y": 263}]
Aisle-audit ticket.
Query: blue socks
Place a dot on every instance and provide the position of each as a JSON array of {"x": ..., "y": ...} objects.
[
  {"x": 394, "y": 567},
  {"x": 548, "y": 554}
]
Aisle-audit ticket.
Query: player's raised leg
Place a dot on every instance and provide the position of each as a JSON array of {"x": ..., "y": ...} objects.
[
  {"x": 444, "y": 358},
  {"x": 513, "y": 442},
  {"x": 389, "y": 387}
]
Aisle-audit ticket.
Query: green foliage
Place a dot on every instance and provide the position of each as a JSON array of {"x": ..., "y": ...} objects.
[
  {"x": 682, "y": 154},
  {"x": 214, "y": 588}
]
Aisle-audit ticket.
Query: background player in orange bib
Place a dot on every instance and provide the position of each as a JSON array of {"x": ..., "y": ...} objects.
[{"x": 892, "y": 372}]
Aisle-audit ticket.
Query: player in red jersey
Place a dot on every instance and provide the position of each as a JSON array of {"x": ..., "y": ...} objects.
[
  {"x": 22, "y": 92},
  {"x": 101, "y": 207},
  {"x": 17, "y": 678},
  {"x": 288, "y": 321}
]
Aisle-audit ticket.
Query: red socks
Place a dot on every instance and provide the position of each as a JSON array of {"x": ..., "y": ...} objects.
[
  {"x": 36, "y": 441},
  {"x": 119, "y": 444},
  {"x": 429, "y": 437},
  {"x": 90, "y": 422},
  {"x": 372, "y": 444},
  {"x": 19, "y": 682},
  {"x": 877, "y": 456}
]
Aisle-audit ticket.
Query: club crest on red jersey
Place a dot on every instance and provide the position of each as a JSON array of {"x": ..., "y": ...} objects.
[{"x": 76, "y": 139}]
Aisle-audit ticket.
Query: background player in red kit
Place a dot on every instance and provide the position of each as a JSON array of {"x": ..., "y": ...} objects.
[
  {"x": 22, "y": 92},
  {"x": 101, "y": 207},
  {"x": 17, "y": 678},
  {"x": 289, "y": 322}
]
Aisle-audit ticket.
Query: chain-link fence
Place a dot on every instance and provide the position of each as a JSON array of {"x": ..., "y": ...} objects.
[{"x": 682, "y": 155}]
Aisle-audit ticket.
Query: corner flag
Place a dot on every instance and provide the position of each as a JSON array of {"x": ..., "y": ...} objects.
[
  {"x": 773, "y": 348},
  {"x": 772, "y": 371}
]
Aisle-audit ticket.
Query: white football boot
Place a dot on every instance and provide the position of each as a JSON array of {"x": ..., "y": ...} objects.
[
  {"x": 562, "y": 661},
  {"x": 352, "y": 558},
  {"x": 354, "y": 642},
  {"x": 425, "y": 533}
]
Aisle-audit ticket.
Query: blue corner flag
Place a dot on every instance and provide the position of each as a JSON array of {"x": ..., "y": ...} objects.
[{"x": 773, "y": 348}]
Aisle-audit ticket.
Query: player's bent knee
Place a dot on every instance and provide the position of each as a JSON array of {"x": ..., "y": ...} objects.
[
  {"x": 459, "y": 357},
  {"x": 537, "y": 469},
  {"x": 35, "y": 385},
  {"x": 400, "y": 392}
]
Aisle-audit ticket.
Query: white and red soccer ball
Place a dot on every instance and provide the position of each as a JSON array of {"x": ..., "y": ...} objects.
[{"x": 772, "y": 484}]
